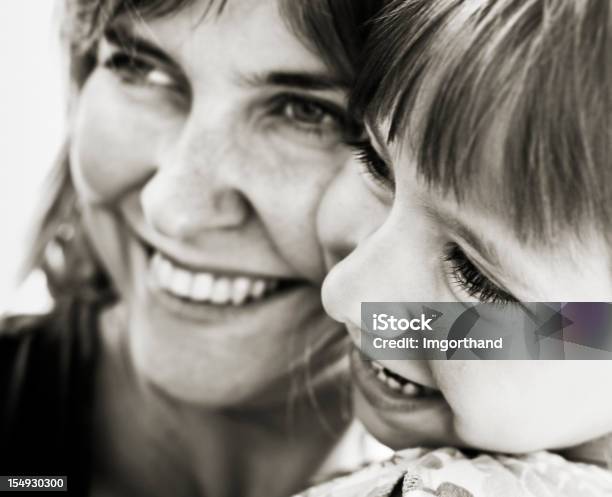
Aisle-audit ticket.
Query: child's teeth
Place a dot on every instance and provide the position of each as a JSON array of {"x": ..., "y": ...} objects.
[
  {"x": 411, "y": 390},
  {"x": 206, "y": 287},
  {"x": 406, "y": 387},
  {"x": 394, "y": 384}
]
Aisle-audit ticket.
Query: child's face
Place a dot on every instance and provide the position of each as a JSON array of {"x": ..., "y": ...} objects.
[{"x": 414, "y": 245}]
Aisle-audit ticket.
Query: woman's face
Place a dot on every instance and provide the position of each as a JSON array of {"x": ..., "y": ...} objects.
[
  {"x": 400, "y": 241},
  {"x": 201, "y": 147}
]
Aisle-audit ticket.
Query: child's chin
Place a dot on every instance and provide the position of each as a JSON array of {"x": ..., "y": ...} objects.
[
  {"x": 507, "y": 439},
  {"x": 401, "y": 431}
]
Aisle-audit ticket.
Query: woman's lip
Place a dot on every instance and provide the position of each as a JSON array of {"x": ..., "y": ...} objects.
[
  {"x": 202, "y": 312},
  {"x": 151, "y": 247},
  {"x": 265, "y": 307},
  {"x": 382, "y": 397},
  {"x": 219, "y": 271}
]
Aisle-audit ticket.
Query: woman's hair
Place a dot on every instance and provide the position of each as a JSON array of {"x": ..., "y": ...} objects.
[
  {"x": 83, "y": 23},
  {"x": 517, "y": 91},
  {"x": 336, "y": 30}
]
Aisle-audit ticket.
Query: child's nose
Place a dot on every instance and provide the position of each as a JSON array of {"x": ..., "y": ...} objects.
[{"x": 349, "y": 213}]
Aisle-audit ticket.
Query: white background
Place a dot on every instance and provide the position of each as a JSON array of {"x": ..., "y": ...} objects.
[{"x": 31, "y": 120}]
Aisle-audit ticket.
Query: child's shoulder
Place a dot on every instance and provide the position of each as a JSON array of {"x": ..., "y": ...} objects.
[{"x": 450, "y": 473}]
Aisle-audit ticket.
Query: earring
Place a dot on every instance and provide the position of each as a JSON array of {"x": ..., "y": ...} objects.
[{"x": 70, "y": 264}]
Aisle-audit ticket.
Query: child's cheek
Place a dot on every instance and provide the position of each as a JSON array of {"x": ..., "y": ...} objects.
[
  {"x": 521, "y": 406},
  {"x": 486, "y": 403}
]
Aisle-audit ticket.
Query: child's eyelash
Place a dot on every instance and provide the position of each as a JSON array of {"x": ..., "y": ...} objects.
[
  {"x": 470, "y": 278},
  {"x": 376, "y": 167}
]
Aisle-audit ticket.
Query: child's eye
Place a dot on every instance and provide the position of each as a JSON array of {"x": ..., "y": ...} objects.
[
  {"x": 375, "y": 167},
  {"x": 471, "y": 280}
]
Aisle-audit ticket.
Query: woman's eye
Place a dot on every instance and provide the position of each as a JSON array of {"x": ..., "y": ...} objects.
[
  {"x": 374, "y": 166},
  {"x": 310, "y": 115},
  {"x": 465, "y": 275},
  {"x": 136, "y": 70}
]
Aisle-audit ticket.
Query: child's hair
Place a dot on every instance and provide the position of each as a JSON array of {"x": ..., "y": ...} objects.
[{"x": 512, "y": 90}]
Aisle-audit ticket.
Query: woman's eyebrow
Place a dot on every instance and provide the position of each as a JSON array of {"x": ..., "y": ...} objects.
[
  {"x": 303, "y": 80},
  {"x": 125, "y": 38}
]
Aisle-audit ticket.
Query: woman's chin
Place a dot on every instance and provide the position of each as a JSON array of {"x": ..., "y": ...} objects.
[
  {"x": 227, "y": 363},
  {"x": 207, "y": 380}
]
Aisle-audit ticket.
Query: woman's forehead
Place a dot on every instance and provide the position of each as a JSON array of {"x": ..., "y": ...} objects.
[{"x": 232, "y": 39}]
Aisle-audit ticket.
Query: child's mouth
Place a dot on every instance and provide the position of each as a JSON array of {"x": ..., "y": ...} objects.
[
  {"x": 399, "y": 384},
  {"x": 388, "y": 392}
]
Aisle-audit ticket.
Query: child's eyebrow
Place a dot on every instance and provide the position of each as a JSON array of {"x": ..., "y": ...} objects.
[{"x": 453, "y": 224}]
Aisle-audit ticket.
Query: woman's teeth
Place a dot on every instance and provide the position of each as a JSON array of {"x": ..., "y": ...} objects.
[
  {"x": 400, "y": 384},
  {"x": 208, "y": 287}
]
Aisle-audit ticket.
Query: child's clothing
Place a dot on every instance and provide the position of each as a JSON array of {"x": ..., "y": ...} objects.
[{"x": 448, "y": 472}]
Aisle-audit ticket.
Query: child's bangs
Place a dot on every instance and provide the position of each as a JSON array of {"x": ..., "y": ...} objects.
[{"x": 506, "y": 104}]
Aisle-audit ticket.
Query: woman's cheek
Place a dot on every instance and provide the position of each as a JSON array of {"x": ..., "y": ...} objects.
[{"x": 115, "y": 142}]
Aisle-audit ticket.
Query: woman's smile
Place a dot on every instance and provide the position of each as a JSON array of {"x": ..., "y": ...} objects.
[
  {"x": 209, "y": 295},
  {"x": 183, "y": 277},
  {"x": 203, "y": 286}
]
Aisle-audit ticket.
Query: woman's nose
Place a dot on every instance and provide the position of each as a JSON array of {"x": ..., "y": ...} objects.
[
  {"x": 349, "y": 213},
  {"x": 196, "y": 188}
]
